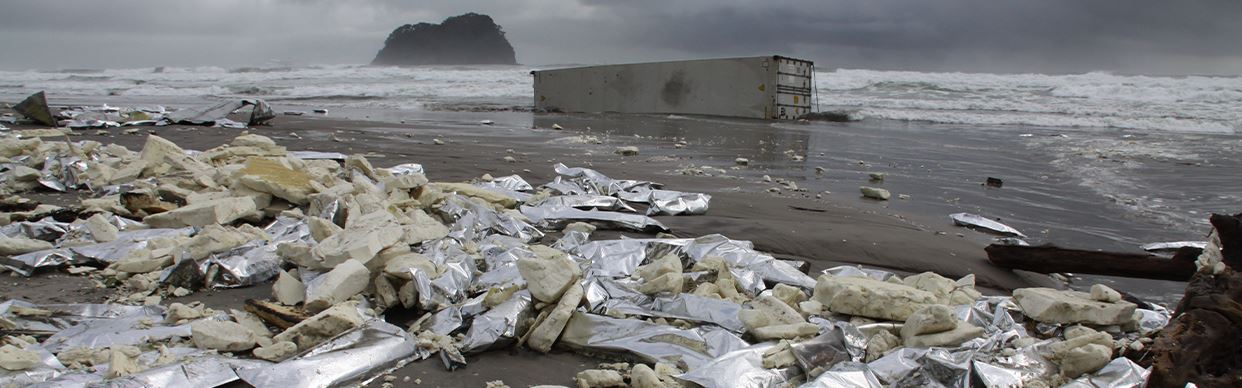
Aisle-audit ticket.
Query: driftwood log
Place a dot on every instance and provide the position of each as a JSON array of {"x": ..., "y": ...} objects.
[
  {"x": 1050, "y": 259},
  {"x": 1201, "y": 342}
]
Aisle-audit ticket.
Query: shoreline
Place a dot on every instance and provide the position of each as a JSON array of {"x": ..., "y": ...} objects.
[{"x": 839, "y": 234}]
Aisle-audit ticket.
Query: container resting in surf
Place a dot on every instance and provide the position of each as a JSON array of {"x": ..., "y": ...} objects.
[{"x": 767, "y": 87}]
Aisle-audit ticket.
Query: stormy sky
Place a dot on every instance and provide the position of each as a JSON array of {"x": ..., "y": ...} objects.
[{"x": 1051, "y": 36}]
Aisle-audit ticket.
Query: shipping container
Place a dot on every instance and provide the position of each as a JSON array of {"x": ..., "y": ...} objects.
[{"x": 768, "y": 87}]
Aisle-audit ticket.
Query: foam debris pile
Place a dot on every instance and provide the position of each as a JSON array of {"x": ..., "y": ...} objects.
[{"x": 494, "y": 263}]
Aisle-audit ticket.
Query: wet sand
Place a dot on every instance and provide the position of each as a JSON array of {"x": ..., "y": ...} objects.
[{"x": 825, "y": 232}]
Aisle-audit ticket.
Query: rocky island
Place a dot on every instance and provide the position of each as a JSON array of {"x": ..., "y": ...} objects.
[{"x": 468, "y": 39}]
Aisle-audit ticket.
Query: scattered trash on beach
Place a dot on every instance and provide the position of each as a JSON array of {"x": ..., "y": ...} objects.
[
  {"x": 35, "y": 108},
  {"x": 980, "y": 223},
  {"x": 320, "y": 111},
  {"x": 626, "y": 151},
  {"x": 489, "y": 264},
  {"x": 874, "y": 193},
  {"x": 994, "y": 182}
]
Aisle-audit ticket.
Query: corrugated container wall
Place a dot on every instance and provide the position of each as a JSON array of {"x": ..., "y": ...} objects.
[{"x": 769, "y": 87}]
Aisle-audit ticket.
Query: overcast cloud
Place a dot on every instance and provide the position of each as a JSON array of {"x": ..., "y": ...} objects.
[{"x": 1059, "y": 36}]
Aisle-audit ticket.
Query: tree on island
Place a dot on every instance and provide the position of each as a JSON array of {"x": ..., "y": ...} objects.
[{"x": 468, "y": 39}]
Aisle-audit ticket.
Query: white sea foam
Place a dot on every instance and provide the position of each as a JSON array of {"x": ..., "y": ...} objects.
[
  {"x": 1103, "y": 100},
  {"x": 1176, "y": 104}
]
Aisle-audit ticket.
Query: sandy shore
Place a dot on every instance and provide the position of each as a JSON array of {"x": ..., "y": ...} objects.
[{"x": 793, "y": 226}]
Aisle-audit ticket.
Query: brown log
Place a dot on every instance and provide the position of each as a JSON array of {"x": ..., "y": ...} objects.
[
  {"x": 275, "y": 314},
  {"x": 1050, "y": 259}
]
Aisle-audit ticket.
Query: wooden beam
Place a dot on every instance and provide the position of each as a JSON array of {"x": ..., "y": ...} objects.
[{"x": 1050, "y": 259}]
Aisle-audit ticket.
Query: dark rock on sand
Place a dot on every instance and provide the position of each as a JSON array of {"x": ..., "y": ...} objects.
[
  {"x": 1201, "y": 343},
  {"x": 459, "y": 40}
]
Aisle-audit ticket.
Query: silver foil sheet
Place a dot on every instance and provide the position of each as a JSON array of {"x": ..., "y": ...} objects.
[
  {"x": 314, "y": 155},
  {"x": 250, "y": 264},
  {"x": 741, "y": 255},
  {"x": 68, "y": 315},
  {"x": 561, "y": 186},
  {"x": 500, "y": 326},
  {"x": 256, "y": 261},
  {"x": 846, "y": 375},
  {"x": 855, "y": 271},
  {"x": 673, "y": 203},
  {"x": 940, "y": 368},
  {"x": 975, "y": 221},
  {"x": 48, "y": 368},
  {"x": 585, "y": 202},
  {"x": 557, "y": 217},
  {"x": 475, "y": 221},
  {"x": 898, "y": 363},
  {"x": 647, "y": 341},
  {"x": 596, "y": 183},
  {"x": 203, "y": 371},
  {"x": 740, "y": 368},
  {"x": 350, "y": 358},
  {"x": 1153, "y": 320},
  {"x": 619, "y": 298},
  {"x": 217, "y": 114},
  {"x": 46, "y": 229},
  {"x": 1118, "y": 373},
  {"x": 1173, "y": 246},
  {"x": 619, "y": 258},
  {"x": 406, "y": 169},
  {"x": 127, "y": 330},
  {"x": 512, "y": 182}
]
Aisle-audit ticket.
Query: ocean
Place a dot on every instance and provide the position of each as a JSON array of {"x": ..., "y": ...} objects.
[{"x": 1094, "y": 160}]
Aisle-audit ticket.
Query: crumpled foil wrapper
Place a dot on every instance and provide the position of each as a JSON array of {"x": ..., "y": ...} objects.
[
  {"x": 109, "y": 252},
  {"x": 406, "y": 169},
  {"x": 585, "y": 202},
  {"x": 741, "y": 254},
  {"x": 256, "y": 261},
  {"x": 673, "y": 203},
  {"x": 1118, "y": 373},
  {"x": 596, "y": 183},
  {"x": 648, "y": 341},
  {"x": 841, "y": 342},
  {"x": 473, "y": 221},
  {"x": 619, "y": 258},
  {"x": 740, "y": 368},
  {"x": 606, "y": 295},
  {"x": 500, "y": 326},
  {"x": 351, "y": 358},
  {"x": 557, "y": 217},
  {"x": 46, "y": 229},
  {"x": 847, "y": 374},
  {"x": 313, "y": 155},
  {"x": 941, "y": 368},
  {"x": 510, "y": 182}
]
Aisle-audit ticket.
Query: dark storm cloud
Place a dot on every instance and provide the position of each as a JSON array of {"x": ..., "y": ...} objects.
[{"x": 1144, "y": 36}]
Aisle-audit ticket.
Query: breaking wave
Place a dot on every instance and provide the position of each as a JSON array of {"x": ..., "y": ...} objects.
[{"x": 1193, "y": 104}]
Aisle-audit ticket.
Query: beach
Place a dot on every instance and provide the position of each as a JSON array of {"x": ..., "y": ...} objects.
[
  {"x": 796, "y": 197},
  {"x": 838, "y": 228}
]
